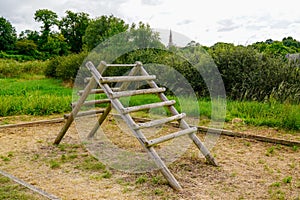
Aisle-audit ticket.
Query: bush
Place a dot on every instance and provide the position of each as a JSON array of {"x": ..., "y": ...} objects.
[
  {"x": 15, "y": 69},
  {"x": 65, "y": 67}
]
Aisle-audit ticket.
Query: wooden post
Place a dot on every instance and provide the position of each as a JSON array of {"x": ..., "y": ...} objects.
[
  {"x": 100, "y": 121},
  {"x": 74, "y": 112}
]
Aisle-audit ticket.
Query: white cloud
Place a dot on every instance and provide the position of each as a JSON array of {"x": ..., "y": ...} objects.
[{"x": 204, "y": 21}]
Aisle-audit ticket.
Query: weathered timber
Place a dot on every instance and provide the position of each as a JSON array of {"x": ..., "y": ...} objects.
[
  {"x": 158, "y": 122},
  {"x": 137, "y": 92},
  {"x": 85, "y": 113},
  {"x": 183, "y": 123},
  {"x": 92, "y": 102},
  {"x": 49, "y": 121},
  {"x": 147, "y": 106},
  {"x": 114, "y": 79},
  {"x": 29, "y": 186},
  {"x": 100, "y": 121},
  {"x": 120, "y": 65},
  {"x": 97, "y": 91},
  {"x": 171, "y": 136},
  {"x": 75, "y": 110}
]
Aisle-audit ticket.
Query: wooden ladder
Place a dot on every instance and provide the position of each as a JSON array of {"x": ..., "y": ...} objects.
[{"x": 113, "y": 95}]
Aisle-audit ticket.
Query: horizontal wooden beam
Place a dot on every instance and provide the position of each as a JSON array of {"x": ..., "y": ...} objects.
[
  {"x": 137, "y": 92},
  {"x": 120, "y": 65},
  {"x": 159, "y": 121},
  {"x": 92, "y": 102},
  {"x": 48, "y": 121},
  {"x": 97, "y": 91},
  {"x": 85, "y": 113},
  {"x": 147, "y": 106},
  {"x": 114, "y": 79},
  {"x": 171, "y": 136}
]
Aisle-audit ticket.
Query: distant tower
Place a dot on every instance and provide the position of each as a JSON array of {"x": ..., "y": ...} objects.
[{"x": 170, "y": 40}]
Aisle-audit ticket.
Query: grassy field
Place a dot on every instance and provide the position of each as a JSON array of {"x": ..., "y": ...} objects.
[
  {"x": 42, "y": 96},
  {"x": 33, "y": 97}
]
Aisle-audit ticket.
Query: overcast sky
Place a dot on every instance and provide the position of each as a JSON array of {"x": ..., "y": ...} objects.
[{"x": 207, "y": 22}]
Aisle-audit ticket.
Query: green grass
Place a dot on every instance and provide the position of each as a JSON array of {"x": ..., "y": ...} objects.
[
  {"x": 42, "y": 96},
  {"x": 14, "y": 69},
  {"x": 272, "y": 114},
  {"x": 33, "y": 97},
  {"x": 11, "y": 190}
]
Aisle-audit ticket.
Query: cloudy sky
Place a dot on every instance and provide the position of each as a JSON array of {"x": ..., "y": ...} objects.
[{"x": 207, "y": 22}]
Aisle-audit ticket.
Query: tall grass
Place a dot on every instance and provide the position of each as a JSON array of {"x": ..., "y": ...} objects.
[
  {"x": 48, "y": 96},
  {"x": 272, "y": 114},
  {"x": 15, "y": 69},
  {"x": 33, "y": 97}
]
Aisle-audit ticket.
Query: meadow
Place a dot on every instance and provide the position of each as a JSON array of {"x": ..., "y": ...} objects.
[{"x": 42, "y": 96}]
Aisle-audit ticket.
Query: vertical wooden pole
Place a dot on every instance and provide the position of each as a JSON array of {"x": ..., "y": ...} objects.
[{"x": 74, "y": 112}]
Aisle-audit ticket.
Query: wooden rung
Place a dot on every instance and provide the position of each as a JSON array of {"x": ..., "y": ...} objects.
[
  {"x": 137, "y": 92},
  {"x": 85, "y": 113},
  {"x": 97, "y": 91},
  {"x": 86, "y": 80},
  {"x": 171, "y": 136},
  {"x": 147, "y": 106},
  {"x": 88, "y": 103},
  {"x": 120, "y": 65},
  {"x": 159, "y": 121},
  {"x": 126, "y": 78}
]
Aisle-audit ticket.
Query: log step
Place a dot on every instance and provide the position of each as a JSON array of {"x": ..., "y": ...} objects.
[
  {"x": 85, "y": 113},
  {"x": 147, "y": 106},
  {"x": 171, "y": 136},
  {"x": 157, "y": 122},
  {"x": 93, "y": 102},
  {"x": 97, "y": 91},
  {"x": 114, "y": 79},
  {"x": 137, "y": 92},
  {"x": 120, "y": 65}
]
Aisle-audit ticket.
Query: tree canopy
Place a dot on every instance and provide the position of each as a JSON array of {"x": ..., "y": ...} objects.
[
  {"x": 7, "y": 35},
  {"x": 73, "y": 27},
  {"x": 102, "y": 28}
]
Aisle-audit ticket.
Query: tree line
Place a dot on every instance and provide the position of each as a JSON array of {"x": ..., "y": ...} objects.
[
  {"x": 259, "y": 71},
  {"x": 73, "y": 33},
  {"x": 76, "y": 32}
]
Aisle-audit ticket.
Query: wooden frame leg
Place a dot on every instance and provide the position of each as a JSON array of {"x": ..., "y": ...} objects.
[{"x": 100, "y": 121}]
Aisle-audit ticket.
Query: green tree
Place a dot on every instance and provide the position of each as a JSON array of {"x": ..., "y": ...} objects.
[
  {"x": 55, "y": 45},
  {"x": 73, "y": 27},
  {"x": 29, "y": 35},
  {"x": 7, "y": 35},
  {"x": 143, "y": 36},
  {"x": 102, "y": 28},
  {"x": 26, "y": 47},
  {"x": 291, "y": 42},
  {"x": 49, "y": 19}
]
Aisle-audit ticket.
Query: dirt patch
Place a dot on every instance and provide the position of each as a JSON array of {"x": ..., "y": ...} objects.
[{"x": 248, "y": 169}]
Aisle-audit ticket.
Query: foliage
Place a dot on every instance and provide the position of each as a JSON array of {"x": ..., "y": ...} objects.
[
  {"x": 33, "y": 97},
  {"x": 26, "y": 47},
  {"x": 65, "y": 67},
  {"x": 278, "y": 48},
  {"x": 7, "y": 35},
  {"x": 15, "y": 69},
  {"x": 48, "y": 18},
  {"x": 102, "y": 28},
  {"x": 73, "y": 27},
  {"x": 249, "y": 75},
  {"x": 55, "y": 46}
]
